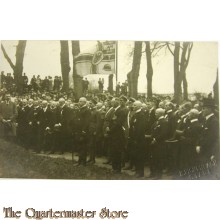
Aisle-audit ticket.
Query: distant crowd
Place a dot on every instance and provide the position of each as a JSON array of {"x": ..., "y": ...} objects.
[{"x": 35, "y": 84}]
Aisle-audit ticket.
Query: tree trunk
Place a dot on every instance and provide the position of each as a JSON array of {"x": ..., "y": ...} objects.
[
  {"x": 183, "y": 66},
  {"x": 185, "y": 87},
  {"x": 134, "y": 73},
  {"x": 149, "y": 70},
  {"x": 18, "y": 67},
  {"x": 177, "y": 81},
  {"x": 110, "y": 84},
  {"x": 65, "y": 64},
  {"x": 77, "y": 79}
]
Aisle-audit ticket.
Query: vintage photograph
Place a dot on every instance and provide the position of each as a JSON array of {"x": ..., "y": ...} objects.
[{"x": 109, "y": 110}]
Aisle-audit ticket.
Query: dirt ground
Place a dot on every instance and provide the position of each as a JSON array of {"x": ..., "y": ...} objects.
[{"x": 17, "y": 162}]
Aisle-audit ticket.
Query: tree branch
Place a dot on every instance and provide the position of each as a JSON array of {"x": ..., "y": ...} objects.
[
  {"x": 7, "y": 57},
  {"x": 168, "y": 46}
]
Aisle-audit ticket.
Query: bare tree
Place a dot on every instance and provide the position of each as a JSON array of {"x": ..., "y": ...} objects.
[
  {"x": 152, "y": 49},
  {"x": 18, "y": 66},
  {"x": 133, "y": 75},
  {"x": 77, "y": 79},
  {"x": 65, "y": 63},
  {"x": 181, "y": 54}
]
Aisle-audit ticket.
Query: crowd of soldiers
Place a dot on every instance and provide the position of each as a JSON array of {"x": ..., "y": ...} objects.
[{"x": 129, "y": 133}]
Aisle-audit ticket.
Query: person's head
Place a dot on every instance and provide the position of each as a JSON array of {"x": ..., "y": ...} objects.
[
  {"x": 30, "y": 102},
  {"x": 197, "y": 106},
  {"x": 115, "y": 102},
  {"x": 92, "y": 103},
  {"x": 130, "y": 103},
  {"x": 44, "y": 104},
  {"x": 186, "y": 107},
  {"x": 169, "y": 106},
  {"x": 161, "y": 105},
  {"x": 24, "y": 102},
  {"x": 53, "y": 104},
  {"x": 82, "y": 101},
  {"x": 99, "y": 105},
  {"x": 36, "y": 103},
  {"x": 137, "y": 105},
  {"x": 61, "y": 101},
  {"x": 7, "y": 97},
  {"x": 123, "y": 100},
  {"x": 72, "y": 106},
  {"x": 208, "y": 106},
  {"x": 159, "y": 112},
  {"x": 144, "y": 107},
  {"x": 193, "y": 114}
]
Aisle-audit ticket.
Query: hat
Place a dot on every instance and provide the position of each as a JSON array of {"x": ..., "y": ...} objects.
[
  {"x": 207, "y": 102},
  {"x": 93, "y": 101},
  {"x": 123, "y": 98},
  {"x": 110, "y": 97},
  {"x": 132, "y": 100}
]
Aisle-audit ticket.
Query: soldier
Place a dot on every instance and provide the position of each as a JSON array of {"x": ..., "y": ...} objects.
[
  {"x": 137, "y": 138},
  {"x": 159, "y": 135}
]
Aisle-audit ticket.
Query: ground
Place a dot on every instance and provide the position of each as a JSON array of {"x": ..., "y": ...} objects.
[{"x": 17, "y": 162}]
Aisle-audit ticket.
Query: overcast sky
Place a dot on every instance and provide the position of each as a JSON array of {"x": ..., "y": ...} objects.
[{"x": 43, "y": 58}]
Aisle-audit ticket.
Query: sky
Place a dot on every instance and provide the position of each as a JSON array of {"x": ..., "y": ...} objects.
[{"x": 43, "y": 58}]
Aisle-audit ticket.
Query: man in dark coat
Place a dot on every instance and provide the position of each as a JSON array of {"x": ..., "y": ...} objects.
[
  {"x": 209, "y": 142},
  {"x": 34, "y": 126},
  {"x": 107, "y": 138},
  {"x": 128, "y": 144},
  {"x": 83, "y": 122},
  {"x": 45, "y": 125},
  {"x": 159, "y": 135},
  {"x": 117, "y": 133},
  {"x": 8, "y": 114},
  {"x": 63, "y": 119},
  {"x": 22, "y": 121},
  {"x": 137, "y": 138}
]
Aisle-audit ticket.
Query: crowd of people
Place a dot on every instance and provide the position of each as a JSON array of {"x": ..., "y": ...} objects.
[
  {"x": 35, "y": 84},
  {"x": 130, "y": 133}
]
